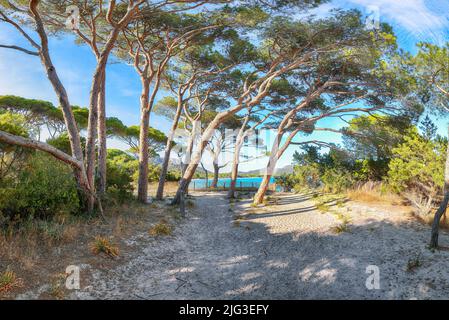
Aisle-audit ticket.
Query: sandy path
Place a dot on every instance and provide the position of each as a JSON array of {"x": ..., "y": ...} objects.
[{"x": 285, "y": 251}]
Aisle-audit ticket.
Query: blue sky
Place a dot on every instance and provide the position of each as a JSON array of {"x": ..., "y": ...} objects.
[{"x": 22, "y": 75}]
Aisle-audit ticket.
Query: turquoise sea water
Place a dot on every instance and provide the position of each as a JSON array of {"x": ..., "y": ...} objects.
[{"x": 252, "y": 182}]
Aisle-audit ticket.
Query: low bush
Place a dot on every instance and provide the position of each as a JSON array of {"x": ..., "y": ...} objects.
[{"x": 43, "y": 188}]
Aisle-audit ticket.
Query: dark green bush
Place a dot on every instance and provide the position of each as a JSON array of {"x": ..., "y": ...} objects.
[
  {"x": 120, "y": 170},
  {"x": 43, "y": 188}
]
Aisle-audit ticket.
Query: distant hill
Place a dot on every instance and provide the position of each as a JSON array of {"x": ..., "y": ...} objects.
[{"x": 279, "y": 171}]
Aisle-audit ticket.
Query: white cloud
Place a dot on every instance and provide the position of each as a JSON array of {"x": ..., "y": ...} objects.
[{"x": 422, "y": 19}]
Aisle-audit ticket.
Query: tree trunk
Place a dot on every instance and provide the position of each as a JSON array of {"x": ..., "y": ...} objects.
[
  {"x": 142, "y": 183},
  {"x": 216, "y": 173},
  {"x": 234, "y": 175},
  {"x": 196, "y": 158},
  {"x": 235, "y": 161},
  {"x": 258, "y": 198},
  {"x": 213, "y": 125},
  {"x": 142, "y": 190},
  {"x": 58, "y": 87},
  {"x": 443, "y": 206},
  {"x": 102, "y": 138},
  {"x": 274, "y": 157},
  {"x": 276, "y": 153},
  {"x": 168, "y": 148}
]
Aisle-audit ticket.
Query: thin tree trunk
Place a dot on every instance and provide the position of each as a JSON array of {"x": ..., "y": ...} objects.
[
  {"x": 216, "y": 173},
  {"x": 142, "y": 188},
  {"x": 234, "y": 175},
  {"x": 102, "y": 138},
  {"x": 168, "y": 148},
  {"x": 207, "y": 175},
  {"x": 236, "y": 160},
  {"x": 443, "y": 206}
]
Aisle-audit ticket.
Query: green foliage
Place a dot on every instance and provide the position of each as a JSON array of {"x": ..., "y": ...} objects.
[
  {"x": 417, "y": 164},
  {"x": 336, "y": 180},
  {"x": 374, "y": 136},
  {"x": 44, "y": 187},
  {"x": 62, "y": 142},
  {"x": 120, "y": 170}
]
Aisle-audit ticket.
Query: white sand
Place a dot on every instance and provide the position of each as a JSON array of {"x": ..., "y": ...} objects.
[{"x": 287, "y": 251}]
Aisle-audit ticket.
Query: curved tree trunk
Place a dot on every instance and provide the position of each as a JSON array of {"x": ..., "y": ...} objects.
[
  {"x": 102, "y": 137},
  {"x": 196, "y": 158},
  {"x": 443, "y": 206},
  {"x": 168, "y": 148},
  {"x": 260, "y": 194},
  {"x": 58, "y": 87},
  {"x": 258, "y": 198}
]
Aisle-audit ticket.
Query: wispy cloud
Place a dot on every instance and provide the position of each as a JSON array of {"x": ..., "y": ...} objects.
[{"x": 423, "y": 20}]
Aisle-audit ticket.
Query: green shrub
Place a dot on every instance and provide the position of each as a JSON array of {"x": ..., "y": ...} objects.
[
  {"x": 336, "y": 180},
  {"x": 43, "y": 188},
  {"x": 120, "y": 170},
  {"x": 418, "y": 164},
  {"x": 62, "y": 142},
  {"x": 173, "y": 175}
]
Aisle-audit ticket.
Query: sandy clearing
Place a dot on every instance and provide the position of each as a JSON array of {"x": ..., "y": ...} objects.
[{"x": 283, "y": 251}]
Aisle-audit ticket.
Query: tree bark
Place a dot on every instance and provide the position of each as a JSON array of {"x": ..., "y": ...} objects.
[
  {"x": 236, "y": 159},
  {"x": 234, "y": 176},
  {"x": 260, "y": 194},
  {"x": 92, "y": 134},
  {"x": 142, "y": 187},
  {"x": 443, "y": 206},
  {"x": 58, "y": 87},
  {"x": 196, "y": 158},
  {"x": 168, "y": 148},
  {"x": 216, "y": 173},
  {"x": 258, "y": 198},
  {"x": 102, "y": 137}
]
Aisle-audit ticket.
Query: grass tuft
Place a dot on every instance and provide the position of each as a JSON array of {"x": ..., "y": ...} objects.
[
  {"x": 161, "y": 229},
  {"x": 103, "y": 245},
  {"x": 9, "y": 281}
]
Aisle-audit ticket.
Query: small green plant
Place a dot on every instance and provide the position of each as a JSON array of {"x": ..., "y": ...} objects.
[
  {"x": 9, "y": 281},
  {"x": 103, "y": 245},
  {"x": 322, "y": 207},
  {"x": 161, "y": 229},
  {"x": 342, "y": 227},
  {"x": 414, "y": 263}
]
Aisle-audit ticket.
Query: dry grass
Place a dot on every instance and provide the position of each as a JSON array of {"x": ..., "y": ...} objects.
[
  {"x": 161, "y": 229},
  {"x": 9, "y": 281},
  {"x": 170, "y": 188},
  {"x": 371, "y": 192},
  {"x": 104, "y": 246},
  {"x": 37, "y": 250},
  {"x": 57, "y": 290}
]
